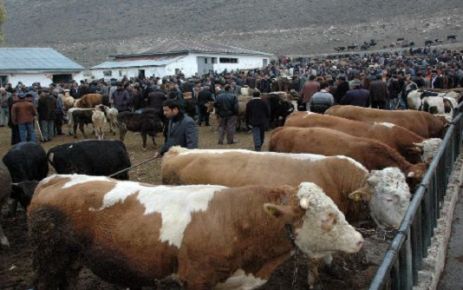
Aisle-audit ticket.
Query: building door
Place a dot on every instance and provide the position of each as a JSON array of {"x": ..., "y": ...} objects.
[
  {"x": 141, "y": 73},
  {"x": 64, "y": 78},
  {"x": 3, "y": 80},
  {"x": 204, "y": 65}
]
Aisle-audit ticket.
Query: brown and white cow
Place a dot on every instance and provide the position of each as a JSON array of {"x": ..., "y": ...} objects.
[
  {"x": 372, "y": 154},
  {"x": 89, "y": 101},
  {"x": 412, "y": 146},
  {"x": 422, "y": 123},
  {"x": 343, "y": 179},
  {"x": 136, "y": 234}
]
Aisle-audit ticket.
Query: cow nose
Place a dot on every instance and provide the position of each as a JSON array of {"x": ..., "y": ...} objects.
[{"x": 360, "y": 244}]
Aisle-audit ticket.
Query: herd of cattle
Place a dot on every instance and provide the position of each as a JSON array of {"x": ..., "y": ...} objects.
[{"x": 223, "y": 219}]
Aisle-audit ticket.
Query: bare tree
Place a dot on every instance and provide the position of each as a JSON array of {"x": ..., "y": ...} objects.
[{"x": 2, "y": 18}]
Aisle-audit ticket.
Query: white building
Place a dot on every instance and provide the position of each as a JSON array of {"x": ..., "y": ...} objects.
[
  {"x": 190, "y": 58},
  {"x": 30, "y": 65}
]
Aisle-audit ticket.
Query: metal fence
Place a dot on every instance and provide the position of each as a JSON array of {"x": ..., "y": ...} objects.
[{"x": 404, "y": 258}]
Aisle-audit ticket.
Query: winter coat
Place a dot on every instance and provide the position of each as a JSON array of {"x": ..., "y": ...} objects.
[
  {"x": 181, "y": 131},
  {"x": 22, "y": 112},
  {"x": 226, "y": 104},
  {"x": 257, "y": 112}
]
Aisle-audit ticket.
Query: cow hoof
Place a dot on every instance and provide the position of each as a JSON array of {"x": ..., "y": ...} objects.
[
  {"x": 144, "y": 149},
  {"x": 4, "y": 242}
]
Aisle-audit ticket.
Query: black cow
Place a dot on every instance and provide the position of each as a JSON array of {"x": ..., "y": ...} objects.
[
  {"x": 148, "y": 122},
  {"x": 91, "y": 157},
  {"x": 80, "y": 117},
  {"x": 27, "y": 164},
  {"x": 5, "y": 190},
  {"x": 279, "y": 109},
  {"x": 428, "y": 42},
  {"x": 451, "y": 37}
]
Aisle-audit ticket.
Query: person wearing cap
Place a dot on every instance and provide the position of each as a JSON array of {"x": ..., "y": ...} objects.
[
  {"x": 226, "y": 105},
  {"x": 356, "y": 96},
  {"x": 46, "y": 109},
  {"x": 257, "y": 116},
  {"x": 23, "y": 114}
]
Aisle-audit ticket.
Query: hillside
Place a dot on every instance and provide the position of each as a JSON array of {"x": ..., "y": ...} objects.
[{"x": 89, "y": 30}]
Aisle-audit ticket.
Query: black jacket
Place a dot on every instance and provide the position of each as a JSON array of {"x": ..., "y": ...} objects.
[
  {"x": 226, "y": 104},
  {"x": 257, "y": 112},
  {"x": 204, "y": 97},
  {"x": 356, "y": 97},
  {"x": 46, "y": 108}
]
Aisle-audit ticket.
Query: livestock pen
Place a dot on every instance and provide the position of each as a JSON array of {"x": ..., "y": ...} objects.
[{"x": 405, "y": 256}]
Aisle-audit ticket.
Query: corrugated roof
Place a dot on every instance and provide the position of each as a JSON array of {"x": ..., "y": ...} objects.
[
  {"x": 37, "y": 59},
  {"x": 188, "y": 46},
  {"x": 136, "y": 63}
]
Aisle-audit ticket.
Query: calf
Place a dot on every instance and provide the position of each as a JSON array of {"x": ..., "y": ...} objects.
[
  {"x": 422, "y": 123},
  {"x": 409, "y": 144},
  {"x": 147, "y": 123},
  {"x": 79, "y": 117},
  {"x": 5, "y": 190},
  {"x": 111, "y": 117},
  {"x": 92, "y": 157},
  {"x": 371, "y": 153},
  {"x": 27, "y": 164},
  {"x": 343, "y": 179},
  {"x": 202, "y": 236},
  {"x": 98, "y": 121}
]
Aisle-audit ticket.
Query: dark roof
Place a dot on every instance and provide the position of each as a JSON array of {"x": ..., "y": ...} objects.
[
  {"x": 184, "y": 47},
  {"x": 37, "y": 59}
]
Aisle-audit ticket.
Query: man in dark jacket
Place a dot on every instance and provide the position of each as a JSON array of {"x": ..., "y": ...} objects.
[
  {"x": 227, "y": 109},
  {"x": 378, "y": 93},
  {"x": 181, "y": 129},
  {"x": 121, "y": 99},
  {"x": 204, "y": 98},
  {"x": 46, "y": 109},
  {"x": 257, "y": 116},
  {"x": 357, "y": 96}
]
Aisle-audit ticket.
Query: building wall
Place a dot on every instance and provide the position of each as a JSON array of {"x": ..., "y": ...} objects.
[
  {"x": 28, "y": 79},
  {"x": 119, "y": 73}
]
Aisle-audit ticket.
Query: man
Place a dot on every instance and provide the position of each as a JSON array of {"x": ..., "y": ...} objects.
[
  {"x": 22, "y": 114},
  {"x": 226, "y": 104},
  {"x": 356, "y": 96},
  {"x": 121, "y": 99},
  {"x": 47, "y": 114},
  {"x": 321, "y": 100},
  {"x": 204, "y": 98},
  {"x": 310, "y": 88},
  {"x": 181, "y": 130},
  {"x": 378, "y": 93},
  {"x": 4, "y": 95},
  {"x": 342, "y": 86},
  {"x": 257, "y": 116}
]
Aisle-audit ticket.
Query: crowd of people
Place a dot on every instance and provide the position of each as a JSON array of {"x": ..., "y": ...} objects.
[{"x": 380, "y": 80}]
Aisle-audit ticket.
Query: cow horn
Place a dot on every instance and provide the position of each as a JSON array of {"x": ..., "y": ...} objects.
[
  {"x": 419, "y": 145},
  {"x": 304, "y": 203}
]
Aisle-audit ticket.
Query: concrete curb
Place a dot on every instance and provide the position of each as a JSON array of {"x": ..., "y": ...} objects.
[{"x": 434, "y": 263}]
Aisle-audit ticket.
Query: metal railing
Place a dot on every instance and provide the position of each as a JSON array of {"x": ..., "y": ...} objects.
[{"x": 404, "y": 258}]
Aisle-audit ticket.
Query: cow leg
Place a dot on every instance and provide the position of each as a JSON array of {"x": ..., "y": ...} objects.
[
  {"x": 143, "y": 136},
  {"x": 122, "y": 133},
  {"x": 75, "y": 130},
  {"x": 55, "y": 249},
  {"x": 3, "y": 240},
  {"x": 82, "y": 129},
  {"x": 13, "y": 207}
]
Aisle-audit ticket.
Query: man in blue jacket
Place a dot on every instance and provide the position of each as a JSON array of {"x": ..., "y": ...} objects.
[{"x": 181, "y": 130}]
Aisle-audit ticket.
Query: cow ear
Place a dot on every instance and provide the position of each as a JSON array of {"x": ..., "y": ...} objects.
[
  {"x": 279, "y": 211},
  {"x": 361, "y": 194}
]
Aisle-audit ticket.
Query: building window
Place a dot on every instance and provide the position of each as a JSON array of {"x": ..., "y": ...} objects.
[
  {"x": 228, "y": 60},
  {"x": 214, "y": 60},
  {"x": 107, "y": 73},
  {"x": 265, "y": 62},
  {"x": 120, "y": 73},
  {"x": 205, "y": 60},
  {"x": 3, "y": 80}
]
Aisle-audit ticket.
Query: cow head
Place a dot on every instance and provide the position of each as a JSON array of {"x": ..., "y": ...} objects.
[
  {"x": 416, "y": 173},
  {"x": 388, "y": 195},
  {"x": 429, "y": 147},
  {"x": 320, "y": 227},
  {"x": 23, "y": 191}
]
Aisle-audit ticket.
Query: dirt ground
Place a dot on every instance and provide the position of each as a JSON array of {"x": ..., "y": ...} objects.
[{"x": 347, "y": 272}]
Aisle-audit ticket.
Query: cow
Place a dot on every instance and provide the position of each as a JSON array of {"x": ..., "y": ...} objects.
[
  {"x": 89, "y": 101},
  {"x": 68, "y": 101},
  {"x": 428, "y": 42},
  {"x": 99, "y": 122},
  {"x": 372, "y": 154},
  {"x": 147, "y": 122},
  {"x": 433, "y": 102},
  {"x": 27, "y": 164},
  {"x": 413, "y": 147},
  {"x": 111, "y": 117},
  {"x": 200, "y": 236},
  {"x": 91, "y": 157},
  {"x": 422, "y": 123},
  {"x": 343, "y": 179},
  {"x": 78, "y": 117},
  {"x": 452, "y": 37},
  {"x": 279, "y": 108},
  {"x": 5, "y": 190}
]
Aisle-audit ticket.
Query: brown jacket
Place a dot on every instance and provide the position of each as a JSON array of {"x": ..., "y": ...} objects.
[
  {"x": 22, "y": 112},
  {"x": 310, "y": 88}
]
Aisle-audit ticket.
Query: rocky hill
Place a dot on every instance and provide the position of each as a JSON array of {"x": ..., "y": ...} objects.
[{"x": 90, "y": 30}]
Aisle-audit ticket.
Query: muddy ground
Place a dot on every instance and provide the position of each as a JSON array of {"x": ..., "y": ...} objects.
[{"x": 347, "y": 272}]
